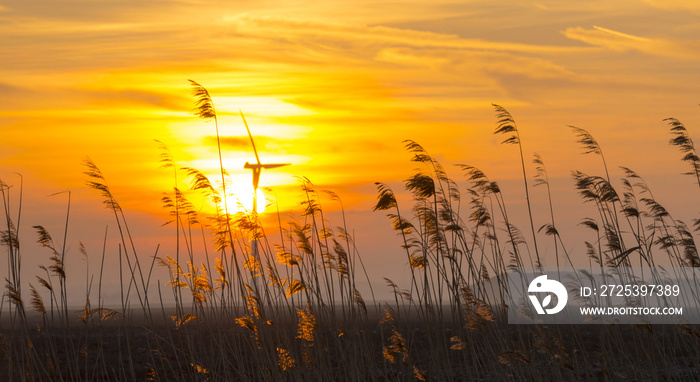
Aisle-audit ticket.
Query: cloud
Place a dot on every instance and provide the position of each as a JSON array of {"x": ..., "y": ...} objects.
[
  {"x": 290, "y": 29},
  {"x": 395, "y": 55},
  {"x": 242, "y": 143},
  {"x": 676, "y": 5},
  {"x": 10, "y": 92},
  {"x": 64, "y": 102},
  {"x": 622, "y": 42}
]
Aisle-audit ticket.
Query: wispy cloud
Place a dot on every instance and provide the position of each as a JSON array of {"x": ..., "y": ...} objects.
[
  {"x": 619, "y": 41},
  {"x": 682, "y": 5},
  {"x": 375, "y": 35}
]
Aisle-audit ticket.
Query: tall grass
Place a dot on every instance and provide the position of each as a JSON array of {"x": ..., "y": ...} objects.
[{"x": 293, "y": 309}]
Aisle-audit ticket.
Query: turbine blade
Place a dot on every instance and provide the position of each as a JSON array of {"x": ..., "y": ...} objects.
[
  {"x": 251, "y": 137},
  {"x": 274, "y": 165}
]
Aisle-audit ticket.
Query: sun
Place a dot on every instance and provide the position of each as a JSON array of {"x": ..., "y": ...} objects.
[{"x": 241, "y": 199}]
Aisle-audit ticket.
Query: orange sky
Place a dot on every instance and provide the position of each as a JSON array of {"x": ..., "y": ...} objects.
[{"x": 334, "y": 89}]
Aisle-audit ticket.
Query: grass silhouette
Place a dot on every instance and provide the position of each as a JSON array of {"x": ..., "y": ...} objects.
[{"x": 293, "y": 310}]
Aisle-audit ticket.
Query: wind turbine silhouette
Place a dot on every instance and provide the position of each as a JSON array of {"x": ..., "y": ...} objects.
[{"x": 257, "y": 168}]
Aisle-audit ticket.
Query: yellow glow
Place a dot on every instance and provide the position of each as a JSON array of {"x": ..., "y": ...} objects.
[
  {"x": 266, "y": 106},
  {"x": 241, "y": 199}
]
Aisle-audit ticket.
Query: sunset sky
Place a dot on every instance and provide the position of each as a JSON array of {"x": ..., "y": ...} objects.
[{"x": 334, "y": 89}]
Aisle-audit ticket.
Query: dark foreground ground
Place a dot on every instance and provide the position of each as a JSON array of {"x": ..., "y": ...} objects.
[{"x": 366, "y": 348}]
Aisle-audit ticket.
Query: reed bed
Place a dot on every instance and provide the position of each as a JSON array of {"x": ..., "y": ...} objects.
[{"x": 257, "y": 308}]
